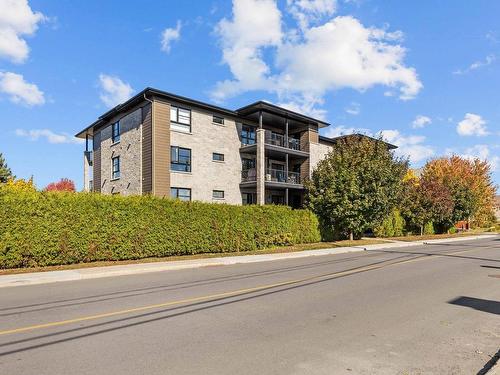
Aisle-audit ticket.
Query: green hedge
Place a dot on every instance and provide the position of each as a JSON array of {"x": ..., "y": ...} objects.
[
  {"x": 44, "y": 228},
  {"x": 392, "y": 226}
]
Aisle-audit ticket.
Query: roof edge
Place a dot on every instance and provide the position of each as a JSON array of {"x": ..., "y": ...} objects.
[{"x": 335, "y": 139}]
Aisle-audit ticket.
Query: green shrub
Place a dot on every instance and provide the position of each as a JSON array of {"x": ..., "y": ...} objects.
[
  {"x": 429, "y": 228},
  {"x": 392, "y": 226},
  {"x": 452, "y": 230},
  {"x": 54, "y": 228}
]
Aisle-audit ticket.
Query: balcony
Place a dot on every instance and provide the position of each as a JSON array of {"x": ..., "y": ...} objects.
[
  {"x": 280, "y": 140},
  {"x": 272, "y": 177},
  {"x": 276, "y": 175},
  {"x": 249, "y": 175}
]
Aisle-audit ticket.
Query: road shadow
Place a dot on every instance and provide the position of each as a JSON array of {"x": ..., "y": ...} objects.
[
  {"x": 437, "y": 253},
  {"x": 169, "y": 313},
  {"x": 486, "y": 305},
  {"x": 487, "y": 266},
  {"x": 83, "y": 300}
]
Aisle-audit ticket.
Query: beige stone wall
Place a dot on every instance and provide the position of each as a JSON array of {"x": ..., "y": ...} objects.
[
  {"x": 317, "y": 152},
  {"x": 129, "y": 150},
  {"x": 207, "y": 175}
]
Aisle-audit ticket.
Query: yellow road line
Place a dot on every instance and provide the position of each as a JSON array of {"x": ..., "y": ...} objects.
[{"x": 221, "y": 295}]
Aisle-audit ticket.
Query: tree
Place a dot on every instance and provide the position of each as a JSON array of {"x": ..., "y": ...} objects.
[
  {"x": 470, "y": 186},
  {"x": 64, "y": 184},
  {"x": 5, "y": 172},
  {"x": 355, "y": 186},
  {"x": 426, "y": 200}
]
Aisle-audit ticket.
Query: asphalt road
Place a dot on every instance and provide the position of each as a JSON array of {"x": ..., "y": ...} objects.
[{"x": 431, "y": 309}]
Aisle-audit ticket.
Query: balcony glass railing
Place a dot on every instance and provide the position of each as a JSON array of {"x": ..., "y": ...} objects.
[
  {"x": 280, "y": 140},
  {"x": 249, "y": 175},
  {"x": 272, "y": 175},
  {"x": 276, "y": 175}
]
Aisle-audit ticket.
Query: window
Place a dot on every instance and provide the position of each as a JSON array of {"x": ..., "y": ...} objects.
[
  {"x": 180, "y": 119},
  {"x": 218, "y": 194},
  {"x": 115, "y": 170},
  {"x": 249, "y": 198},
  {"x": 247, "y": 135},
  {"x": 218, "y": 120},
  {"x": 180, "y": 159},
  {"x": 183, "y": 194},
  {"x": 115, "y": 132},
  {"x": 217, "y": 157}
]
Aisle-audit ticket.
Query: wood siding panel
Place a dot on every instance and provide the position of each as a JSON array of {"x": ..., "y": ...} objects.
[
  {"x": 97, "y": 162},
  {"x": 306, "y": 138},
  {"x": 161, "y": 148},
  {"x": 147, "y": 150}
]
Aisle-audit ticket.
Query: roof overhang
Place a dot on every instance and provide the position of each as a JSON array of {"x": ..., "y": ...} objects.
[{"x": 280, "y": 111}]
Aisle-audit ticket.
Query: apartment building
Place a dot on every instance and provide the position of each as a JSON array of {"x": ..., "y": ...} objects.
[{"x": 168, "y": 145}]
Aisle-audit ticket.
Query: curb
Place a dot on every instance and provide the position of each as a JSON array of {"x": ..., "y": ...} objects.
[{"x": 140, "y": 268}]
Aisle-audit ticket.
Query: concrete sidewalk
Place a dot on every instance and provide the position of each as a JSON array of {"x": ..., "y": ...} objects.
[{"x": 131, "y": 269}]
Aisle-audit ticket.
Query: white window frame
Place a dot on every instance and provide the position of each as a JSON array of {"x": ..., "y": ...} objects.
[{"x": 180, "y": 122}]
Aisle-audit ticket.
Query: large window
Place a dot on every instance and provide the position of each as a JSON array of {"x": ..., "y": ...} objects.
[
  {"x": 218, "y": 194},
  {"x": 180, "y": 119},
  {"x": 249, "y": 198},
  {"x": 218, "y": 120},
  {"x": 180, "y": 159},
  {"x": 183, "y": 194},
  {"x": 217, "y": 157},
  {"x": 115, "y": 132},
  {"x": 248, "y": 135},
  {"x": 115, "y": 167}
]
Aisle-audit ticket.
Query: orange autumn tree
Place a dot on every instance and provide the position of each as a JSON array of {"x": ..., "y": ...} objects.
[
  {"x": 470, "y": 186},
  {"x": 65, "y": 184}
]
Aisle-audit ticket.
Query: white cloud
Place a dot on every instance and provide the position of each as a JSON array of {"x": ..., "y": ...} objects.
[
  {"x": 472, "y": 124},
  {"x": 113, "y": 90},
  {"x": 476, "y": 65},
  {"x": 411, "y": 146},
  {"x": 20, "y": 91},
  {"x": 336, "y": 131},
  {"x": 420, "y": 122},
  {"x": 341, "y": 53},
  {"x": 256, "y": 25},
  {"x": 310, "y": 11},
  {"x": 49, "y": 135},
  {"x": 17, "y": 20},
  {"x": 353, "y": 109},
  {"x": 170, "y": 35},
  {"x": 483, "y": 152}
]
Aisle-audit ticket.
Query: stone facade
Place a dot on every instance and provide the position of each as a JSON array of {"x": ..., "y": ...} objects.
[
  {"x": 207, "y": 175},
  {"x": 129, "y": 151}
]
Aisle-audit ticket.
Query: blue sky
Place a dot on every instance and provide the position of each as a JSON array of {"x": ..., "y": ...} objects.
[{"x": 424, "y": 73}]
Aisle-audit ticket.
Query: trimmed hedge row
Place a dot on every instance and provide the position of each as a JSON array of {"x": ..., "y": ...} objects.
[{"x": 53, "y": 228}]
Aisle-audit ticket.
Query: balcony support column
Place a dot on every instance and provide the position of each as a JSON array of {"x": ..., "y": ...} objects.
[
  {"x": 286, "y": 167},
  {"x": 286, "y": 134},
  {"x": 286, "y": 196},
  {"x": 261, "y": 165}
]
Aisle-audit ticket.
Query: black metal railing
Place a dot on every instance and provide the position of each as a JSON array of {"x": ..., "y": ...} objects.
[
  {"x": 277, "y": 175},
  {"x": 275, "y": 139}
]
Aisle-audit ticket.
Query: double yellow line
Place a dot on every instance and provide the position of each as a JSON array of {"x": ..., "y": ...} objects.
[{"x": 232, "y": 293}]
